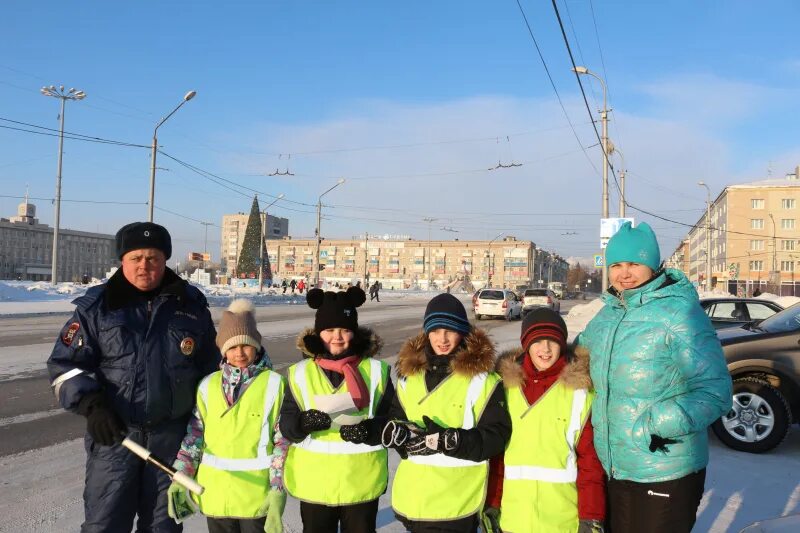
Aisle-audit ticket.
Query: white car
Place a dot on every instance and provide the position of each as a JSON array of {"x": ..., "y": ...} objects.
[
  {"x": 532, "y": 298},
  {"x": 497, "y": 302}
]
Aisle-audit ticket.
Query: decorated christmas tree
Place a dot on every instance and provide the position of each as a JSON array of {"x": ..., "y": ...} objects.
[{"x": 250, "y": 255}]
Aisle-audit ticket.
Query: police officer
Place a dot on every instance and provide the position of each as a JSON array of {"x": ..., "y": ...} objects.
[{"x": 129, "y": 360}]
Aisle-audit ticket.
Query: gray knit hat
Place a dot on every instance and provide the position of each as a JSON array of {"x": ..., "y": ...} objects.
[{"x": 238, "y": 326}]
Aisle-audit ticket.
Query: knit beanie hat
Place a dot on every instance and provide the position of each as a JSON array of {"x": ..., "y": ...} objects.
[
  {"x": 446, "y": 311},
  {"x": 238, "y": 326},
  {"x": 634, "y": 245},
  {"x": 335, "y": 309},
  {"x": 543, "y": 323},
  {"x": 139, "y": 235}
]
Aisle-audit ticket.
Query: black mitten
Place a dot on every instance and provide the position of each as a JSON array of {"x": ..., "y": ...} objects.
[
  {"x": 102, "y": 423},
  {"x": 314, "y": 420},
  {"x": 356, "y": 433},
  {"x": 660, "y": 443}
]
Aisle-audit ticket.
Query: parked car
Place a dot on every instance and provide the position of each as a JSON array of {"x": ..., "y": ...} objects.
[
  {"x": 734, "y": 312},
  {"x": 764, "y": 362},
  {"x": 497, "y": 302},
  {"x": 532, "y": 298}
]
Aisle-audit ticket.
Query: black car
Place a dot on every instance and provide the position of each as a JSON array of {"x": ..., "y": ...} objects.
[
  {"x": 764, "y": 363},
  {"x": 734, "y": 312}
]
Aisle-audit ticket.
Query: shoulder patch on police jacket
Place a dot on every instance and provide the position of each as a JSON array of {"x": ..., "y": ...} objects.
[{"x": 69, "y": 334}]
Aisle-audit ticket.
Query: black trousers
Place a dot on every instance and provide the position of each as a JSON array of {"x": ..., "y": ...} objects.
[
  {"x": 664, "y": 507},
  {"x": 355, "y": 518},
  {"x": 461, "y": 525},
  {"x": 235, "y": 525}
]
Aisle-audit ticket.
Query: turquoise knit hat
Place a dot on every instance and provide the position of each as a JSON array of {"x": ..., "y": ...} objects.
[{"x": 634, "y": 245}]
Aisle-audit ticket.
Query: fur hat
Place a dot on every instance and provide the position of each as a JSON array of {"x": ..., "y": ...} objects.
[
  {"x": 634, "y": 245},
  {"x": 238, "y": 326},
  {"x": 335, "y": 309},
  {"x": 139, "y": 235},
  {"x": 543, "y": 323},
  {"x": 446, "y": 311}
]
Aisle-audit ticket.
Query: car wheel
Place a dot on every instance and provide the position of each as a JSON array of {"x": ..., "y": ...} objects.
[{"x": 759, "y": 418}]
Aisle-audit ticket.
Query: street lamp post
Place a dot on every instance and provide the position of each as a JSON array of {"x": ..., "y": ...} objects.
[
  {"x": 708, "y": 235},
  {"x": 774, "y": 275},
  {"x": 61, "y": 94},
  {"x": 154, "y": 149},
  {"x": 614, "y": 149},
  {"x": 429, "y": 220},
  {"x": 263, "y": 216},
  {"x": 604, "y": 145},
  {"x": 491, "y": 261},
  {"x": 319, "y": 236}
]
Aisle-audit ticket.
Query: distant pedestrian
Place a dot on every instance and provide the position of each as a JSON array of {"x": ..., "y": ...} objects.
[
  {"x": 301, "y": 285},
  {"x": 757, "y": 292},
  {"x": 373, "y": 292},
  {"x": 293, "y": 285},
  {"x": 285, "y": 285}
]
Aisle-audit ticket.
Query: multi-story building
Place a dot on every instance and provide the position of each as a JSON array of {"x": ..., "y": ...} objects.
[
  {"x": 26, "y": 249},
  {"x": 233, "y": 230},
  {"x": 680, "y": 257},
  {"x": 754, "y": 236},
  {"x": 411, "y": 263}
]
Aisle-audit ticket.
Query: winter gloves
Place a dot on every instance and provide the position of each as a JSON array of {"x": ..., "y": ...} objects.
[
  {"x": 660, "y": 443},
  {"x": 356, "y": 433},
  {"x": 490, "y": 520},
  {"x": 395, "y": 434},
  {"x": 410, "y": 440},
  {"x": 590, "y": 526},
  {"x": 179, "y": 503},
  {"x": 102, "y": 423},
  {"x": 273, "y": 509},
  {"x": 314, "y": 420}
]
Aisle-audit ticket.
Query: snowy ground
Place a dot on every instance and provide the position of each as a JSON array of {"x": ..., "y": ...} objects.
[{"x": 40, "y": 490}]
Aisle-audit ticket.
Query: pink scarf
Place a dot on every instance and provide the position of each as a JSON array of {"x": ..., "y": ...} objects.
[{"x": 348, "y": 367}]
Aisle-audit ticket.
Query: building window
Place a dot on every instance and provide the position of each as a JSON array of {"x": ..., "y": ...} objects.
[
  {"x": 757, "y": 266},
  {"x": 757, "y": 203},
  {"x": 787, "y": 223},
  {"x": 787, "y": 266},
  {"x": 787, "y": 203},
  {"x": 757, "y": 245},
  {"x": 756, "y": 223},
  {"x": 787, "y": 245}
]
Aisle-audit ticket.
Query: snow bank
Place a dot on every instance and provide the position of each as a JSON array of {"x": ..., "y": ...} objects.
[{"x": 582, "y": 314}]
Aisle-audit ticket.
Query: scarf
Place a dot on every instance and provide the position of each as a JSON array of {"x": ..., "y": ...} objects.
[{"x": 348, "y": 367}]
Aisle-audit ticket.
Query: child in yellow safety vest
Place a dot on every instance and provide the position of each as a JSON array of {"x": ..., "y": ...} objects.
[
  {"x": 549, "y": 478},
  {"x": 232, "y": 446},
  {"x": 333, "y": 412},
  {"x": 447, "y": 421}
]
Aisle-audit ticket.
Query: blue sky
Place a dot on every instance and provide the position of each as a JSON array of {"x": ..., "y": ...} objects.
[{"x": 412, "y": 102}]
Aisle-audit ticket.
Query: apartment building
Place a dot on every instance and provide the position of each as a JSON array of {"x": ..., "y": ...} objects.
[
  {"x": 26, "y": 249},
  {"x": 754, "y": 238},
  {"x": 412, "y": 263},
  {"x": 233, "y": 230}
]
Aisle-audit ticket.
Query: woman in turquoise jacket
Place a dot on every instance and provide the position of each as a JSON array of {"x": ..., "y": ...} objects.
[{"x": 661, "y": 380}]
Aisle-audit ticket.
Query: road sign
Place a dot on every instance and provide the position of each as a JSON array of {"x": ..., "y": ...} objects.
[
  {"x": 608, "y": 227},
  {"x": 599, "y": 261}
]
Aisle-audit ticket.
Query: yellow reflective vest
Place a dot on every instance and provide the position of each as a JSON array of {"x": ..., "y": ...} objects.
[
  {"x": 237, "y": 445},
  {"x": 540, "y": 492},
  {"x": 323, "y": 468},
  {"x": 439, "y": 487}
]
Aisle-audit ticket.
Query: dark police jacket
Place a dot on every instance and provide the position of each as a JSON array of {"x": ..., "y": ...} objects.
[{"x": 147, "y": 352}]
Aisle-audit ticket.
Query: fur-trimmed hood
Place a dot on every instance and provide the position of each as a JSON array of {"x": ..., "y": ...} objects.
[
  {"x": 575, "y": 374},
  {"x": 366, "y": 344},
  {"x": 475, "y": 357}
]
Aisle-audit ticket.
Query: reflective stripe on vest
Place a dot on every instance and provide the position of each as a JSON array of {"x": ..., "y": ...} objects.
[
  {"x": 353, "y": 473},
  {"x": 539, "y": 488},
  {"x": 438, "y": 487},
  {"x": 234, "y": 467}
]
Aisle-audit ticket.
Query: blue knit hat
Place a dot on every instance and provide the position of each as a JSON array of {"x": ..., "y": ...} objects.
[
  {"x": 446, "y": 311},
  {"x": 634, "y": 245}
]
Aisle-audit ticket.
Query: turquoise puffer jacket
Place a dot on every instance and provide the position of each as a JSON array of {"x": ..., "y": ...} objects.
[{"x": 658, "y": 369}]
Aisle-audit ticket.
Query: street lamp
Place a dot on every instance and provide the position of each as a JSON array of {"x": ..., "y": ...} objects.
[
  {"x": 604, "y": 145},
  {"x": 319, "y": 237},
  {"x": 774, "y": 274},
  {"x": 708, "y": 234},
  {"x": 491, "y": 261},
  {"x": 429, "y": 220},
  {"x": 154, "y": 149},
  {"x": 61, "y": 94},
  {"x": 261, "y": 252}
]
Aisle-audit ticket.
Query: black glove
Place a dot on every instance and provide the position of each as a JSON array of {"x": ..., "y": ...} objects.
[
  {"x": 102, "y": 423},
  {"x": 356, "y": 433},
  {"x": 395, "y": 434},
  {"x": 313, "y": 420},
  {"x": 437, "y": 439},
  {"x": 590, "y": 526},
  {"x": 660, "y": 443}
]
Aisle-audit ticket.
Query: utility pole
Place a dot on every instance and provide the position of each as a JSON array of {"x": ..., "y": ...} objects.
[
  {"x": 366, "y": 258},
  {"x": 708, "y": 234},
  {"x": 205, "y": 243},
  {"x": 429, "y": 220},
  {"x": 774, "y": 252},
  {"x": 319, "y": 237}
]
